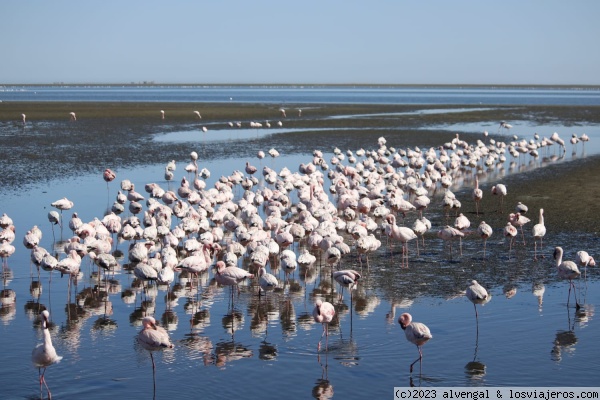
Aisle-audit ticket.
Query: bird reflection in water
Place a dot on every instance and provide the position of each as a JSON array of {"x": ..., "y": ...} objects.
[
  {"x": 475, "y": 369},
  {"x": 267, "y": 351},
  {"x": 538, "y": 290},
  {"x": 200, "y": 320},
  {"x": 287, "y": 317},
  {"x": 227, "y": 352},
  {"x": 323, "y": 388},
  {"x": 565, "y": 340},
  {"x": 234, "y": 321},
  {"x": 197, "y": 345}
]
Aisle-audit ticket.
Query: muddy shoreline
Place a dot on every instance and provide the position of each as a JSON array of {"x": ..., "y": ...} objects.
[{"x": 119, "y": 135}]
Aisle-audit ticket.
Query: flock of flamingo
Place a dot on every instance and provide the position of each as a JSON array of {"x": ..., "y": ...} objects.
[{"x": 197, "y": 228}]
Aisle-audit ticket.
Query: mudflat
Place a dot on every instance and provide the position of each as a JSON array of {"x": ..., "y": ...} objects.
[{"x": 119, "y": 135}]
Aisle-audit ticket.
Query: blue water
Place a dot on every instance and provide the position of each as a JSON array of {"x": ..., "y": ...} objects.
[
  {"x": 308, "y": 94},
  {"x": 268, "y": 349}
]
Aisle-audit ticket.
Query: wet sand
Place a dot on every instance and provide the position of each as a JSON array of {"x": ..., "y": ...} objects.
[{"x": 119, "y": 135}]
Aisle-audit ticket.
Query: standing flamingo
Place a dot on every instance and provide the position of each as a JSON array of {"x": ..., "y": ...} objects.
[
  {"x": 485, "y": 231},
  {"x": 347, "y": 278},
  {"x": 448, "y": 233},
  {"x": 518, "y": 221},
  {"x": 477, "y": 295},
  {"x": 510, "y": 232},
  {"x": 416, "y": 332},
  {"x": 268, "y": 282},
  {"x": 401, "y": 234},
  {"x": 44, "y": 354},
  {"x": 477, "y": 195},
  {"x": 152, "y": 338},
  {"x": 583, "y": 259},
  {"x": 323, "y": 313},
  {"x": 539, "y": 230},
  {"x": 230, "y": 276},
  {"x": 567, "y": 270},
  {"x": 500, "y": 190}
]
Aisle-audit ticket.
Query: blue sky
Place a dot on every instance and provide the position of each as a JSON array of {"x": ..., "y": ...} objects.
[{"x": 327, "y": 41}]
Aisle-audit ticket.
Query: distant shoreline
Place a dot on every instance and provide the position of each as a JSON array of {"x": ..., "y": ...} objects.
[{"x": 307, "y": 85}]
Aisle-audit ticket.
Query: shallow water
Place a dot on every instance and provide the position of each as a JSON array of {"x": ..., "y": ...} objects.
[{"x": 527, "y": 334}]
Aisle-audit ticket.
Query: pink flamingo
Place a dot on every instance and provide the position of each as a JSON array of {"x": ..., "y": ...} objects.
[
  {"x": 347, "y": 278},
  {"x": 416, "y": 332},
  {"x": 44, "y": 354},
  {"x": 448, "y": 233},
  {"x": 477, "y": 295},
  {"x": 500, "y": 190},
  {"x": 539, "y": 231},
  {"x": 567, "y": 270},
  {"x": 401, "y": 234},
  {"x": 323, "y": 313},
  {"x": 584, "y": 260},
  {"x": 230, "y": 276},
  {"x": 510, "y": 232},
  {"x": 477, "y": 195},
  {"x": 152, "y": 338},
  {"x": 518, "y": 220},
  {"x": 485, "y": 231}
]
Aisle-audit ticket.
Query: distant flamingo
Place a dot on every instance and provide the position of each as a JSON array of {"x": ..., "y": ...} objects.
[
  {"x": 230, "y": 276},
  {"x": 485, "y": 231},
  {"x": 73, "y": 116},
  {"x": 198, "y": 114},
  {"x": 323, "y": 313},
  {"x": 477, "y": 195},
  {"x": 567, "y": 270},
  {"x": 268, "y": 282},
  {"x": 347, "y": 278},
  {"x": 162, "y": 114},
  {"x": 44, "y": 354},
  {"x": 518, "y": 221},
  {"x": 500, "y": 190},
  {"x": 477, "y": 295},
  {"x": 539, "y": 230},
  {"x": 448, "y": 233},
  {"x": 416, "y": 332},
  {"x": 24, "y": 118},
  {"x": 510, "y": 232},
  {"x": 583, "y": 259},
  {"x": 401, "y": 234},
  {"x": 152, "y": 338}
]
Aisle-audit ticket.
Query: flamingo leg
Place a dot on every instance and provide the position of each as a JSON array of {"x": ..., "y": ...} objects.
[
  {"x": 153, "y": 373},
  {"x": 484, "y": 243},
  {"x": 418, "y": 359}
]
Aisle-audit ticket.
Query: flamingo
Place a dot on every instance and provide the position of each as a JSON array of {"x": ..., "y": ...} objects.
[
  {"x": 519, "y": 220},
  {"x": 268, "y": 282},
  {"x": 448, "y": 233},
  {"x": 401, "y": 234},
  {"x": 500, "y": 190},
  {"x": 44, "y": 354},
  {"x": 152, "y": 338},
  {"x": 461, "y": 223},
  {"x": 73, "y": 116},
  {"x": 198, "y": 114},
  {"x": 24, "y": 118},
  {"x": 567, "y": 270},
  {"x": 583, "y": 259},
  {"x": 162, "y": 114},
  {"x": 323, "y": 313},
  {"x": 230, "y": 276},
  {"x": 510, "y": 232},
  {"x": 416, "y": 332},
  {"x": 347, "y": 278},
  {"x": 539, "y": 230},
  {"x": 477, "y": 295},
  {"x": 485, "y": 231},
  {"x": 477, "y": 195}
]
